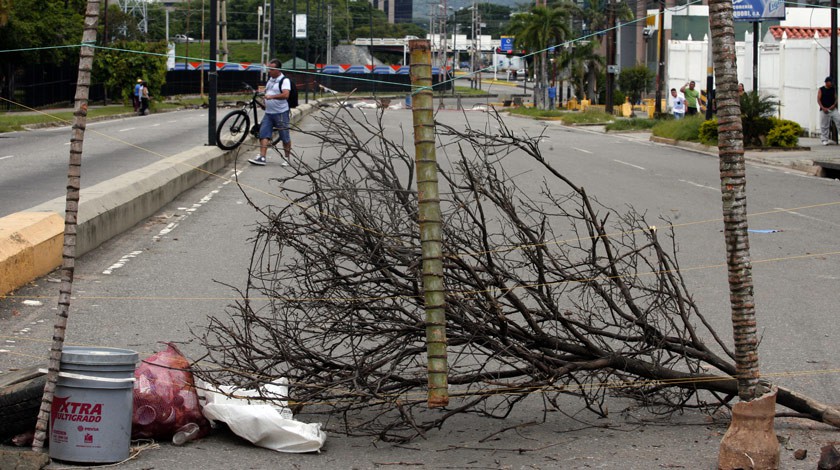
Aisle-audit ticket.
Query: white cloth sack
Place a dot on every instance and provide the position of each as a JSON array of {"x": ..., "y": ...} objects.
[{"x": 265, "y": 424}]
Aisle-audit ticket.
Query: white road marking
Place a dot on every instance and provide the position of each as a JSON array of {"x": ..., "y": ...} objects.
[
  {"x": 806, "y": 216},
  {"x": 630, "y": 164},
  {"x": 581, "y": 150},
  {"x": 700, "y": 185},
  {"x": 122, "y": 262},
  {"x": 127, "y": 129},
  {"x": 166, "y": 230},
  {"x": 7, "y": 156},
  {"x": 170, "y": 122},
  {"x": 155, "y": 125}
]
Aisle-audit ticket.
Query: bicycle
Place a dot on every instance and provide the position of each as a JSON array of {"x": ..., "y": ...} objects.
[{"x": 236, "y": 125}]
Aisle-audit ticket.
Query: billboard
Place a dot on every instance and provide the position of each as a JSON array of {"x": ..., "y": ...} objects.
[
  {"x": 300, "y": 26},
  {"x": 759, "y": 10}
]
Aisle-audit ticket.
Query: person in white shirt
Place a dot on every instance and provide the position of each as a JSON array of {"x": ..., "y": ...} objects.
[
  {"x": 677, "y": 104},
  {"x": 277, "y": 112}
]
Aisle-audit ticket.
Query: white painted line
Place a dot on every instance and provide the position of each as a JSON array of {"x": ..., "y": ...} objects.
[
  {"x": 700, "y": 185},
  {"x": 806, "y": 216},
  {"x": 630, "y": 164},
  {"x": 127, "y": 129},
  {"x": 7, "y": 156},
  {"x": 155, "y": 125},
  {"x": 581, "y": 150},
  {"x": 172, "y": 121},
  {"x": 122, "y": 262}
]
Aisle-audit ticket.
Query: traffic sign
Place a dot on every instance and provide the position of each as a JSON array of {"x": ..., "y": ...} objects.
[{"x": 506, "y": 44}]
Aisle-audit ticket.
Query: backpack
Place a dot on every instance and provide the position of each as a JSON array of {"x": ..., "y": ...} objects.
[{"x": 293, "y": 93}]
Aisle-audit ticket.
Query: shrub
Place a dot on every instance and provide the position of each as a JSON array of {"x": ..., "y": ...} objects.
[
  {"x": 634, "y": 81},
  {"x": 708, "y": 132},
  {"x": 756, "y": 111},
  {"x": 784, "y": 133},
  {"x": 679, "y": 129}
]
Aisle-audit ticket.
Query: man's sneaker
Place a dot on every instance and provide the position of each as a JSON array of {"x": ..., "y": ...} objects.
[
  {"x": 283, "y": 162},
  {"x": 825, "y": 142},
  {"x": 258, "y": 160}
]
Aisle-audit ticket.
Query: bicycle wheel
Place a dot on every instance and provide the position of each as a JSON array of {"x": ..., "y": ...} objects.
[{"x": 232, "y": 130}]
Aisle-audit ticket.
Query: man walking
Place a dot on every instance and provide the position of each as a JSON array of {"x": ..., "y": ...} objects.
[
  {"x": 277, "y": 112},
  {"x": 692, "y": 96},
  {"x": 827, "y": 101},
  {"x": 135, "y": 95},
  {"x": 677, "y": 104}
]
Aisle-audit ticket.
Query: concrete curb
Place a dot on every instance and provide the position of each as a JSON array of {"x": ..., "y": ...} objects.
[{"x": 31, "y": 242}]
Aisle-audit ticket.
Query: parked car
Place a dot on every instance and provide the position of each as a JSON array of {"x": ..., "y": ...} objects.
[{"x": 182, "y": 38}]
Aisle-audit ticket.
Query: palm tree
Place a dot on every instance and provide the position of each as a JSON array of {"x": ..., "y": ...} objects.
[
  {"x": 743, "y": 445},
  {"x": 71, "y": 212},
  {"x": 584, "y": 63},
  {"x": 536, "y": 31}
]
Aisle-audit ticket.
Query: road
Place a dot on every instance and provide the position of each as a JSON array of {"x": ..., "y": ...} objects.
[
  {"x": 166, "y": 276},
  {"x": 33, "y": 164}
]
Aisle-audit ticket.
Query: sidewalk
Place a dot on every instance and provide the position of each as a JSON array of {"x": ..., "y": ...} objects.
[{"x": 810, "y": 150}]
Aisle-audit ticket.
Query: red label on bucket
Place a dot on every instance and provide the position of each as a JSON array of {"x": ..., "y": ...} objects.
[{"x": 66, "y": 410}]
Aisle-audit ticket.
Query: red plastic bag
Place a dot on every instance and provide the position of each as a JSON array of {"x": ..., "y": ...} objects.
[{"x": 164, "y": 397}]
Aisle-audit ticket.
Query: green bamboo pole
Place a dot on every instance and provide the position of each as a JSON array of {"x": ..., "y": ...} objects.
[{"x": 428, "y": 200}]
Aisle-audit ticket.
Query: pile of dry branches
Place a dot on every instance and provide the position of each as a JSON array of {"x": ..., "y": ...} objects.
[{"x": 548, "y": 292}]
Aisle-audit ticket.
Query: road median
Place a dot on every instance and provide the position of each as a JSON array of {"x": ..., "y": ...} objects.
[{"x": 31, "y": 241}]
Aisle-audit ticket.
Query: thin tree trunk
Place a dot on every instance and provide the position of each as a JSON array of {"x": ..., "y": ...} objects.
[
  {"x": 71, "y": 210},
  {"x": 733, "y": 191},
  {"x": 543, "y": 80},
  {"x": 428, "y": 199}
]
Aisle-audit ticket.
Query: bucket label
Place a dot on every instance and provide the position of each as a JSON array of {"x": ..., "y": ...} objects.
[{"x": 65, "y": 410}]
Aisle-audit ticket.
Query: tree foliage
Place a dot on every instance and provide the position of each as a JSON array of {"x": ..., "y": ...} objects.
[
  {"x": 634, "y": 81},
  {"x": 536, "y": 31},
  {"x": 119, "y": 70},
  {"x": 41, "y": 25}
]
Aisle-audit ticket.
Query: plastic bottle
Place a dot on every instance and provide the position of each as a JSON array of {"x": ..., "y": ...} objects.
[{"x": 185, "y": 433}]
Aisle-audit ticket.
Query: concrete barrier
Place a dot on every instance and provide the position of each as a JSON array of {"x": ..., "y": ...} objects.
[
  {"x": 31, "y": 242},
  {"x": 30, "y": 246}
]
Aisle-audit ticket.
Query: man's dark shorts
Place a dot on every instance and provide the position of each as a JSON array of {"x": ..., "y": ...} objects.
[
  {"x": 280, "y": 121},
  {"x": 689, "y": 111}
]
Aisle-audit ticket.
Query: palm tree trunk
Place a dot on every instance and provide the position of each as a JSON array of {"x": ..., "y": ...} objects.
[
  {"x": 428, "y": 199},
  {"x": 734, "y": 195},
  {"x": 74, "y": 173}
]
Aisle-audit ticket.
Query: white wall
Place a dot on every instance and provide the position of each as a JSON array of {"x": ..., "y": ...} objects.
[{"x": 792, "y": 70}]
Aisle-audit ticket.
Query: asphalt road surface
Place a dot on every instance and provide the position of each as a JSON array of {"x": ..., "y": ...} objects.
[
  {"x": 164, "y": 278},
  {"x": 33, "y": 164}
]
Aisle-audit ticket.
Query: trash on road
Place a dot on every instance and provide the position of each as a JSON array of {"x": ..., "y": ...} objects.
[{"x": 264, "y": 423}]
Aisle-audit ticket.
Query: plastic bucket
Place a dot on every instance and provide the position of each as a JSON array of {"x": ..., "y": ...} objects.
[{"x": 90, "y": 420}]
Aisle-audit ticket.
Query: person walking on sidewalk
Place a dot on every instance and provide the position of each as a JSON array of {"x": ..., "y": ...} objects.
[
  {"x": 827, "y": 101},
  {"x": 135, "y": 95},
  {"x": 144, "y": 99},
  {"x": 277, "y": 112},
  {"x": 692, "y": 96}
]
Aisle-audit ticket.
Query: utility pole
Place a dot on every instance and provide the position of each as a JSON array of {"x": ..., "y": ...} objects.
[
  {"x": 213, "y": 74},
  {"x": 329, "y": 34},
  {"x": 294, "y": 35},
  {"x": 223, "y": 28},
  {"x": 660, "y": 60},
  {"x": 611, "y": 65},
  {"x": 833, "y": 51}
]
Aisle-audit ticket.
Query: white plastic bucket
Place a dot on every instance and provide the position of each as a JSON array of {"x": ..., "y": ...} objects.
[{"x": 90, "y": 421}]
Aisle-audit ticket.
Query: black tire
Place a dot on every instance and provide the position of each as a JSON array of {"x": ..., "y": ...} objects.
[
  {"x": 232, "y": 130},
  {"x": 19, "y": 405}
]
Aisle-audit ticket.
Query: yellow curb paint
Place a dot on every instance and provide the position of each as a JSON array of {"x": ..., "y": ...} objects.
[{"x": 30, "y": 247}]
